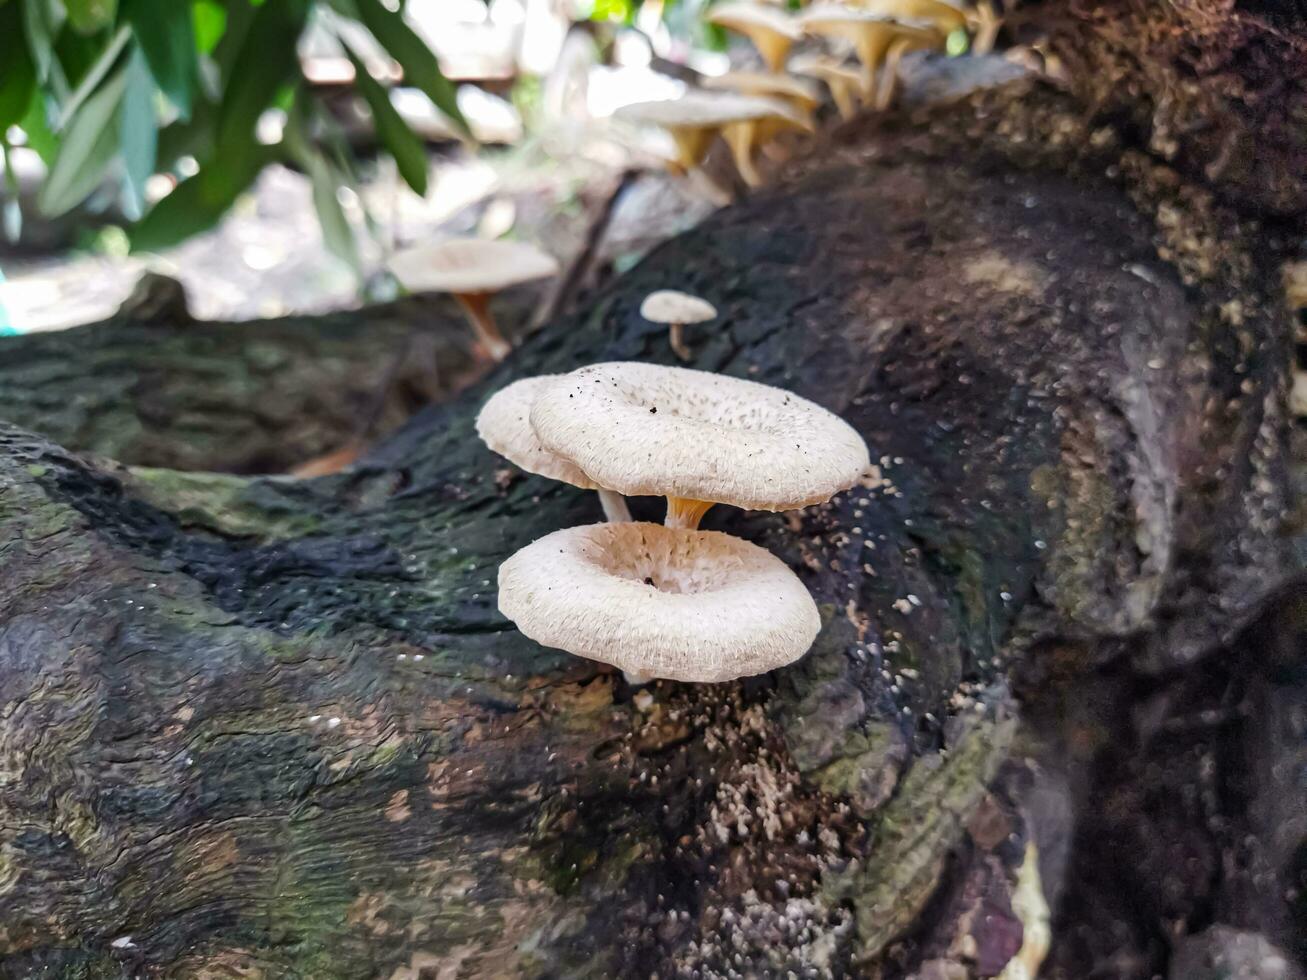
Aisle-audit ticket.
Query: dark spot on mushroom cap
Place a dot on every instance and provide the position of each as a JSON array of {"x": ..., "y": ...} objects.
[{"x": 653, "y": 411}]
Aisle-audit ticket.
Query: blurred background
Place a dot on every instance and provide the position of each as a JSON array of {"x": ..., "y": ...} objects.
[{"x": 232, "y": 145}]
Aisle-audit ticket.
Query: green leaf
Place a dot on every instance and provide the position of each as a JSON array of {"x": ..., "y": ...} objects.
[
  {"x": 35, "y": 125},
  {"x": 89, "y": 16},
  {"x": 17, "y": 72},
  {"x": 89, "y": 145},
  {"x": 95, "y": 74},
  {"x": 165, "y": 32},
  {"x": 140, "y": 132},
  {"x": 336, "y": 231},
  {"x": 267, "y": 60},
  {"x": 42, "y": 20},
  {"x": 195, "y": 205},
  {"x": 421, "y": 69},
  {"x": 326, "y": 181},
  {"x": 210, "y": 18},
  {"x": 408, "y": 151}
]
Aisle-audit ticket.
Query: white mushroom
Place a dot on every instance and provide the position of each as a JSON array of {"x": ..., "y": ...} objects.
[
  {"x": 772, "y": 31},
  {"x": 870, "y": 33},
  {"x": 504, "y": 425},
  {"x": 676, "y": 309},
  {"x": 654, "y": 601},
  {"x": 473, "y": 270},
  {"x": 697, "y": 438},
  {"x": 802, "y": 94},
  {"x": 944, "y": 15},
  {"x": 845, "y": 83},
  {"x": 695, "y": 119}
]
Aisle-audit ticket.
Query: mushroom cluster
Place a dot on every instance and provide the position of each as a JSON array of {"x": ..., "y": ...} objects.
[
  {"x": 669, "y": 601},
  {"x": 750, "y": 109}
]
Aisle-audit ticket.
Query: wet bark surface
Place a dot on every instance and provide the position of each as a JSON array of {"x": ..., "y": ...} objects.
[{"x": 259, "y": 727}]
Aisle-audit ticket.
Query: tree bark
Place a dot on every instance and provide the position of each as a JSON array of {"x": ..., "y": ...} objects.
[
  {"x": 152, "y": 387},
  {"x": 257, "y": 727}
]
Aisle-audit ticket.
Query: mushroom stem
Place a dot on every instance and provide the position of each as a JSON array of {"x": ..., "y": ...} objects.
[
  {"x": 677, "y": 340},
  {"x": 841, "y": 93},
  {"x": 739, "y": 137},
  {"x": 635, "y": 679},
  {"x": 986, "y": 23},
  {"x": 773, "y": 48},
  {"x": 614, "y": 505},
  {"x": 889, "y": 75},
  {"x": 686, "y": 512},
  {"x": 477, "y": 308}
]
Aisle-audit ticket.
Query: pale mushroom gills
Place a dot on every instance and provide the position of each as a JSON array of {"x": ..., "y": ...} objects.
[
  {"x": 504, "y": 424},
  {"x": 663, "y": 602},
  {"x": 697, "y": 438}
]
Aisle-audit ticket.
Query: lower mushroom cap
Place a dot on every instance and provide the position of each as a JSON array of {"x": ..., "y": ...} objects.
[
  {"x": 644, "y": 429},
  {"x": 665, "y": 602}
]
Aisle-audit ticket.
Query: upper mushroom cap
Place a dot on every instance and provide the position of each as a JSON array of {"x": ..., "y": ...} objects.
[
  {"x": 470, "y": 265},
  {"x": 745, "y": 17},
  {"x": 504, "y": 424},
  {"x": 671, "y": 306},
  {"x": 664, "y": 602},
  {"x": 766, "y": 83},
  {"x": 675, "y": 432},
  {"x": 705, "y": 110}
]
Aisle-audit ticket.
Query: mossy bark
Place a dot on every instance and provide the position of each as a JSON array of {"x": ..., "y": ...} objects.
[{"x": 257, "y": 727}]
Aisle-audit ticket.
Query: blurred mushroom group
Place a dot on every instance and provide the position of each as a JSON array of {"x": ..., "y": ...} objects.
[
  {"x": 667, "y": 601},
  {"x": 856, "y": 50}
]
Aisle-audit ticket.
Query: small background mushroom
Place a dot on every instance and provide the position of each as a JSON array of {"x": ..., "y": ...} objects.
[
  {"x": 771, "y": 30},
  {"x": 676, "y": 309},
  {"x": 472, "y": 270}
]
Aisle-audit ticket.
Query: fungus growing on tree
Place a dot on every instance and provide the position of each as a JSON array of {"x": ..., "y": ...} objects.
[
  {"x": 771, "y": 31},
  {"x": 472, "y": 270},
  {"x": 696, "y": 118},
  {"x": 845, "y": 83},
  {"x": 655, "y": 601},
  {"x": 676, "y": 309},
  {"x": 802, "y": 94},
  {"x": 871, "y": 35},
  {"x": 504, "y": 425},
  {"x": 697, "y": 438},
  {"x": 944, "y": 15}
]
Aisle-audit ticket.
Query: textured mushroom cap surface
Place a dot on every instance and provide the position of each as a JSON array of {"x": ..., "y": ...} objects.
[
  {"x": 504, "y": 424},
  {"x": 470, "y": 265},
  {"x": 704, "y": 109},
  {"x": 666, "y": 431},
  {"x": 746, "y": 16},
  {"x": 665, "y": 602},
  {"x": 765, "y": 83},
  {"x": 671, "y": 306}
]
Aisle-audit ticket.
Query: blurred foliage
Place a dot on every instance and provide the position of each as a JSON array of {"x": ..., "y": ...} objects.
[{"x": 112, "y": 92}]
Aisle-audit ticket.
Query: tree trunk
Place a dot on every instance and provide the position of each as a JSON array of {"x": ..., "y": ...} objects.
[
  {"x": 152, "y": 387},
  {"x": 255, "y": 727}
]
